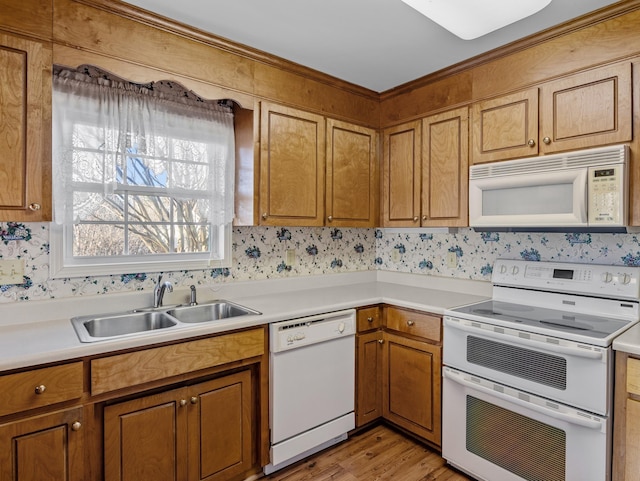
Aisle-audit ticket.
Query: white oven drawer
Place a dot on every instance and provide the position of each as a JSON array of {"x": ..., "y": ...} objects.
[
  {"x": 569, "y": 372},
  {"x": 494, "y": 432}
]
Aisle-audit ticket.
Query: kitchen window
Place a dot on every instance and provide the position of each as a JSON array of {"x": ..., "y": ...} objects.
[{"x": 143, "y": 176}]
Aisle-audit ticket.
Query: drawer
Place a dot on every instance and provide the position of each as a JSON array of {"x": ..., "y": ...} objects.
[
  {"x": 415, "y": 323},
  {"x": 40, "y": 387},
  {"x": 633, "y": 376},
  {"x": 147, "y": 365},
  {"x": 369, "y": 318}
]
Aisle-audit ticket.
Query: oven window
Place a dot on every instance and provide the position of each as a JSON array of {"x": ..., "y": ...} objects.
[
  {"x": 526, "y": 447},
  {"x": 517, "y": 361}
]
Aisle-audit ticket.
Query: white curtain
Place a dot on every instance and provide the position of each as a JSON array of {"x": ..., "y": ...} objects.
[{"x": 111, "y": 135}]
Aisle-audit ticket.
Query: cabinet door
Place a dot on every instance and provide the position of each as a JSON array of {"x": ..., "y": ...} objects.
[
  {"x": 368, "y": 377},
  {"x": 445, "y": 169},
  {"x": 411, "y": 380},
  {"x": 220, "y": 428},
  {"x": 352, "y": 176},
  {"x": 505, "y": 127},
  {"x": 587, "y": 109},
  {"x": 401, "y": 175},
  {"x": 43, "y": 448},
  {"x": 292, "y": 165},
  {"x": 25, "y": 130},
  {"x": 146, "y": 438}
]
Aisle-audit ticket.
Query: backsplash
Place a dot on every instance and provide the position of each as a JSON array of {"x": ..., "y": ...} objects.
[{"x": 261, "y": 253}]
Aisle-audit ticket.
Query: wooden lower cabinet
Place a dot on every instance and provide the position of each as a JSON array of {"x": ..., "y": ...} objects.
[
  {"x": 411, "y": 385},
  {"x": 48, "y": 447},
  {"x": 626, "y": 418},
  {"x": 369, "y": 377},
  {"x": 199, "y": 432},
  {"x": 398, "y": 366}
]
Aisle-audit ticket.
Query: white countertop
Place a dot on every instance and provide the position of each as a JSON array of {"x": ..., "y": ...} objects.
[
  {"x": 39, "y": 332},
  {"x": 628, "y": 341}
]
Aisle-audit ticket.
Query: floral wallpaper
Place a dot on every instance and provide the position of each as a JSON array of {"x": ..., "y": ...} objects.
[{"x": 273, "y": 252}]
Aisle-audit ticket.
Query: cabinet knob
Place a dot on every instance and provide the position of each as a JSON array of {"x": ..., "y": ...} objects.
[
  {"x": 380, "y": 341},
  {"x": 76, "y": 426},
  {"x": 40, "y": 389},
  {"x": 194, "y": 400},
  {"x": 531, "y": 143},
  {"x": 410, "y": 323},
  {"x": 183, "y": 402},
  {"x": 424, "y": 217},
  {"x": 415, "y": 219},
  {"x": 369, "y": 319},
  {"x": 546, "y": 140},
  {"x": 35, "y": 206},
  {"x": 264, "y": 216}
]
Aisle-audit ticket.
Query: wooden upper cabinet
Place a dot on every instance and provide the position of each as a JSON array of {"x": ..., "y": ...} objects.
[
  {"x": 401, "y": 175},
  {"x": 587, "y": 109},
  {"x": 445, "y": 169},
  {"x": 292, "y": 165},
  {"x": 352, "y": 175},
  {"x": 505, "y": 127},
  {"x": 583, "y": 110},
  {"x": 25, "y": 130}
]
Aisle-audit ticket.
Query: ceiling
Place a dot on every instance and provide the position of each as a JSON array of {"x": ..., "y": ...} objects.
[{"x": 377, "y": 44}]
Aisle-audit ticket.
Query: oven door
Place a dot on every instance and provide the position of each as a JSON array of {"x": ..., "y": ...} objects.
[
  {"x": 493, "y": 432},
  {"x": 570, "y": 372}
]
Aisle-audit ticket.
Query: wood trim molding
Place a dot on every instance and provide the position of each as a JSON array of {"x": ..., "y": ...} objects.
[
  {"x": 172, "y": 26},
  {"x": 584, "y": 21}
]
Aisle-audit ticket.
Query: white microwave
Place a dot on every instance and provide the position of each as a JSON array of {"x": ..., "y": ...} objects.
[{"x": 574, "y": 190}]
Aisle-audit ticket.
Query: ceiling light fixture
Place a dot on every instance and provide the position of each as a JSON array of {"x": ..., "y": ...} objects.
[{"x": 469, "y": 19}]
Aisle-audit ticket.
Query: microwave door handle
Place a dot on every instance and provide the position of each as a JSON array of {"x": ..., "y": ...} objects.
[
  {"x": 568, "y": 417},
  {"x": 555, "y": 348}
]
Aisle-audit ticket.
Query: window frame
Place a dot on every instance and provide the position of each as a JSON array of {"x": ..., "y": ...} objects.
[{"x": 63, "y": 264}]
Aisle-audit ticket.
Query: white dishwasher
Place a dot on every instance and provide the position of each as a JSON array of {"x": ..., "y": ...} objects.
[{"x": 312, "y": 385}]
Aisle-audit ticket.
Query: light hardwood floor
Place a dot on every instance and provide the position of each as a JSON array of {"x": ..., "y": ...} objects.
[{"x": 379, "y": 454}]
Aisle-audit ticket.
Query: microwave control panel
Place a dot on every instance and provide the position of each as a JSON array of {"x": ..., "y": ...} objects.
[{"x": 607, "y": 195}]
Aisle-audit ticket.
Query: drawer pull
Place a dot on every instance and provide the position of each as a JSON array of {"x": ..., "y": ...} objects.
[
  {"x": 410, "y": 323},
  {"x": 370, "y": 319},
  {"x": 40, "y": 389},
  {"x": 76, "y": 426}
]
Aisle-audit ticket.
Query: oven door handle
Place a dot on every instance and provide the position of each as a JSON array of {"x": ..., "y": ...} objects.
[
  {"x": 570, "y": 418},
  {"x": 555, "y": 348}
]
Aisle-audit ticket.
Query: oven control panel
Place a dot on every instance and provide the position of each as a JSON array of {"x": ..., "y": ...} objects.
[{"x": 601, "y": 280}]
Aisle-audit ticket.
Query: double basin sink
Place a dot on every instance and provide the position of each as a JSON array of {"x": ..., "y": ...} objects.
[{"x": 109, "y": 326}]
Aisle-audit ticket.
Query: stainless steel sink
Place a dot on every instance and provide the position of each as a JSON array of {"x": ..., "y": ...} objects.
[
  {"x": 212, "y": 311},
  {"x": 97, "y": 328},
  {"x": 103, "y": 327}
]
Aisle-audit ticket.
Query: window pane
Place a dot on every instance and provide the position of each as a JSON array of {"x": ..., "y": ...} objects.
[
  {"x": 97, "y": 207},
  {"x": 143, "y": 171},
  {"x": 98, "y": 240},
  {"x": 192, "y": 238},
  {"x": 90, "y": 166},
  {"x": 152, "y": 208},
  {"x": 188, "y": 150},
  {"x": 189, "y": 176},
  {"x": 191, "y": 210},
  {"x": 149, "y": 239}
]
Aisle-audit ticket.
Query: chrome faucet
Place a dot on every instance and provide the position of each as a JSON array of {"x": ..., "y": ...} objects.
[
  {"x": 158, "y": 291},
  {"x": 192, "y": 298}
]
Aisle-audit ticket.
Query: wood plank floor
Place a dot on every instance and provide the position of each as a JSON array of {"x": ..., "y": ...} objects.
[{"x": 379, "y": 454}]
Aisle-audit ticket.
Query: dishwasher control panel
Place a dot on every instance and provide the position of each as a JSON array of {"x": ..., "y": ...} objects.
[{"x": 312, "y": 330}]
